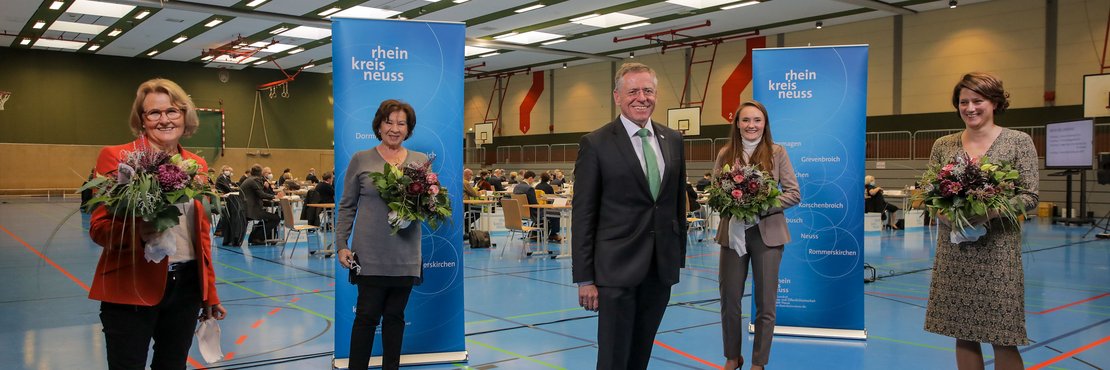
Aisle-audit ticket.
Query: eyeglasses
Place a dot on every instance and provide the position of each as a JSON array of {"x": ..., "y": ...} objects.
[
  {"x": 154, "y": 114},
  {"x": 649, "y": 92}
]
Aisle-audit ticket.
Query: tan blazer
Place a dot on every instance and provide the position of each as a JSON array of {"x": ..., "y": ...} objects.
[{"x": 773, "y": 228}]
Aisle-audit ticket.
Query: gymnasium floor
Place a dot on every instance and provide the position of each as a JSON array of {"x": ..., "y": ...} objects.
[{"x": 523, "y": 314}]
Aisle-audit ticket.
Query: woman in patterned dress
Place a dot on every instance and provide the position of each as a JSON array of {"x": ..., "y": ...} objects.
[{"x": 977, "y": 294}]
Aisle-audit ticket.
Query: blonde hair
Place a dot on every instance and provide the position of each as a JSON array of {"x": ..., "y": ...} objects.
[
  {"x": 178, "y": 98},
  {"x": 632, "y": 67},
  {"x": 868, "y": 179}
]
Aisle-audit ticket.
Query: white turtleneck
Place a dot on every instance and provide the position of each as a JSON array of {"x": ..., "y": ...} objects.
[{"x": 749, "y": 147}]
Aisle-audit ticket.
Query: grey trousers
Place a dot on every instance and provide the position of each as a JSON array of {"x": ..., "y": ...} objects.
[{"x": 733, "y": 271}]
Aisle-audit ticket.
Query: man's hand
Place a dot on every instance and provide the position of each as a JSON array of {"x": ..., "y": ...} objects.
[
  {"x": 587, "y": 297},
  {"x": 345, "y": 258}
]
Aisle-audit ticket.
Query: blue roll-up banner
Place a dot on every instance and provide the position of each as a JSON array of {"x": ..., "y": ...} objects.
[
  {"x": 816, "y": 99},
  {"x": 420, "y": 63}
]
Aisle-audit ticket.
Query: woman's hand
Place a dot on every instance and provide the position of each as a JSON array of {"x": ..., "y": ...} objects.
[
  {"x": 345, "y": 258},
  {"x": 216, "y": 311}
]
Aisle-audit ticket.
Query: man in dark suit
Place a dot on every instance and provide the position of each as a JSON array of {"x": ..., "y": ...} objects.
[
  {"x": 704, "y": 181},
  {"x": 629, "y": 222},
  {"x": 311, "y": 176},
  {"x": 254, "y": 192}
]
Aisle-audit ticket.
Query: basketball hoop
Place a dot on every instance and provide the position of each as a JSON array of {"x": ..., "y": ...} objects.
[{"x": 4, "y": 95}]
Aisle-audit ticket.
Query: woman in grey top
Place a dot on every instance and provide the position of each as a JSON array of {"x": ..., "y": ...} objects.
[
  {"x": 977, "y": 294},
  {"x": 387, "y": 266}
]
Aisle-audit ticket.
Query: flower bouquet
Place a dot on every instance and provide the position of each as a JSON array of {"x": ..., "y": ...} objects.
[
  {"x": 744, "y": 191},
  {"x": 149, "y": 185},
  {"x": 413, "y": 194},
  {"x": 965, "y": 189}
]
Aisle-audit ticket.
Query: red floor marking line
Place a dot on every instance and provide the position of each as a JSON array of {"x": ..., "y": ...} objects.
[
  {"x": 295, "y": 299},
  {"x": 274, "y": 311},
  {"x": 316, "y": 290},
  {"x": 689, "y": 356},
  {"x": 257, "y": 324},
  {"x": 47, "y": 259},
  {"x": 242, "y": 338},
  {"x": 196, "y": 364},
  {"x": 1068, "y": 354},
  {"x": 898, "y": 296},
  {"x": 229, "y": 356},
  {"x": 331, "y": 284},
  {"x": 1072, "y": 304}
]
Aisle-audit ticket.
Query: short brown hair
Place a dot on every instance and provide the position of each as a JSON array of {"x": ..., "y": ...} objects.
[
  {"x": 389, "y": 106},
  {"x": 632, "y": 67},
  {"x": 178, "y": 98},
  {"x": 984, "y": 84}
]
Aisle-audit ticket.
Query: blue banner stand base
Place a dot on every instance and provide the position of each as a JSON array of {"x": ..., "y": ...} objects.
[
  {"x": 801, "y": 331},
  {"x": 413, "y": 359}
]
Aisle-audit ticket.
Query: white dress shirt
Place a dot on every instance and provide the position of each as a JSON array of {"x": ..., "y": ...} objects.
[{"x": 637, "y": 144}]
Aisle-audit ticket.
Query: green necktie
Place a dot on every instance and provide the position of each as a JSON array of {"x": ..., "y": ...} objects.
[{"x": 649, "y": 160}]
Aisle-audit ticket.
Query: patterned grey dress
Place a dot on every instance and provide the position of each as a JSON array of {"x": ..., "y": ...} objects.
[{"x": 978, "y": 288}]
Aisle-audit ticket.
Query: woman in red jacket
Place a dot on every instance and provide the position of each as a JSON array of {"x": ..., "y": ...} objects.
[{"x": 160, "y": 301}]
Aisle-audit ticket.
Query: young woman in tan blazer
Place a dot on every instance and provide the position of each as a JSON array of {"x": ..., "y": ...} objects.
[{"x": 750, "y": 143}]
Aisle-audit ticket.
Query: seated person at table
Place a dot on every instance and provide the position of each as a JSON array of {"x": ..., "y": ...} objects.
[
  {"x": 246, "y": 174},
  {"x": 525, "y": 187},
  {"x": 704, "y": 181},
  {"x": 325, "y": 188},
  {"x": 285, "y": 176},
  {"x": 482, "y": 182},
  {"x": 545, "y": 184},
  {"x": 311, "y": 176},
  {"x": 558, "y": 178},
  {"x": 254, "y": 192},
  {"x": 874, "y": 201},
  {"x": 513, "y": 178},
  {"x": 224, "y": 184},
  {"x": 267, "y": 180},
  {"x": 472, "y": 211},
  {"x": 496, "y": 180},
  {"x": 692, "y": 198}
]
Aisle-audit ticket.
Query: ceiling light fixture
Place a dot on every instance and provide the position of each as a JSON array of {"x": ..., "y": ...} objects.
[
  {"x": 552, "y": 42},
  {"x": 57, "y": 5},
  {"x": 151, "y": 53},
  {"x": 564, "y": 65},
  {"x": 308, "y": 66},
  {"x": 489, "y": 54},
  {"x": 39, "y": 25},
  {"x": 585, "y": 17},
  {"x": 94, "y": 47},
  {"x": 142, "y": 14},
  {"x": 207, "y": 58},
  {"x": 180, "y": 39},
  {"x": 952, "y": 4},
  {"x": 632, "y": 55},
  {"x": 529, "y": 8},
  {"x": 261, "y": 62},
  {"x": 279, "y": 30},
  {"x": 329, "y": 11},
  {"x": 214, "y": 23},
  {"x": 255, "y": 3},
  {"x": 641, "y": 24},
  {"x": 819, "y": 24},
  {"x": 504, "y": 35},
  {"x": 25, "y": 42},
  {"x": 460, "y": 1},
  {"x": 297, "y": 50},
  {"x": 743, "y": 4},
  {"x": 115, "y": 32}
]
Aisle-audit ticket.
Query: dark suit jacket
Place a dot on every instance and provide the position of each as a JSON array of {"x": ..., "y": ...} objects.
[
  {"x": 253, "y": 193},
  {"x": 618, "y": 228},
  {"x": 528, "y": 190},
  {"x": 224, "y": 184},
  {"x": 326, "y": 192}
]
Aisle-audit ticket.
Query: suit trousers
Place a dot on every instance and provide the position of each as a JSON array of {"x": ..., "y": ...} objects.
[
  {"x": 628, "y": 320},
  {"x": 765, "y": 262},
  {"x": 128, "y": 329},
  {"x": 379, "y": 303}
]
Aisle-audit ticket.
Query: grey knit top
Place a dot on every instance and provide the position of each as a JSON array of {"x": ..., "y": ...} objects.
[{"x": 379, "y": 253}]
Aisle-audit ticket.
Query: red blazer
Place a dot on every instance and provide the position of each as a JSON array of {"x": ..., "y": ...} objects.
[{"x": 123, "y": 275}]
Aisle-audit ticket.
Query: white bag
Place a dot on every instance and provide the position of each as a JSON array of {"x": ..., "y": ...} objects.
[
  {"x": 737, "y": 236},
  {"x": 208, "y": 341}
]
